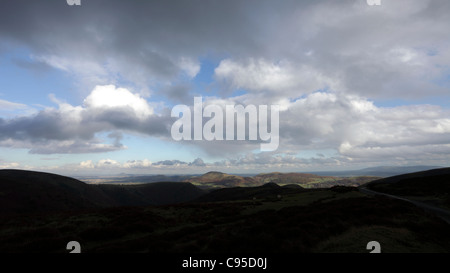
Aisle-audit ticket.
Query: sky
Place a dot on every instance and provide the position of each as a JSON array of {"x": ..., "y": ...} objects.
[{"x": 90, "y": 89}]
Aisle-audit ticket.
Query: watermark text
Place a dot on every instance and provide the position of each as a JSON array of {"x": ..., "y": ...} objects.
[{"x": 235, "y": 119}]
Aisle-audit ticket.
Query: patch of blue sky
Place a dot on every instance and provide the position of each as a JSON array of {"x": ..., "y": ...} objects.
[
  {"x": 203, "y": 83},
  {"x": 151, "y": 148},
  {"x": 14, "y": 155},
  {"x": 442, "y": 101},
  {"x": 319, "y": 153},
  {"x": 26, "y": 158},
  {"x": 24, "y": 80}
]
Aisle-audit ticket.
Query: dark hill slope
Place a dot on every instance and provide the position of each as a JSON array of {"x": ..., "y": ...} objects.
[
  {"x": 267, "y": 191},
  {"x": 431, "y": 184},
  {"x": 158, "y": 193},
  {"x": 29, "y": 192}
]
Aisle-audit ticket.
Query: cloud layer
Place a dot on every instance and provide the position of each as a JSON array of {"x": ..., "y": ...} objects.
[
  {"x": 396, "y": 50},
  {"x": 73, "y": 129},
  {"x": 330, "y": 65}
]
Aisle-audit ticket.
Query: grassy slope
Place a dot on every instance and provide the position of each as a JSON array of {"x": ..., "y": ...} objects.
[
  {"x": 268, "y": 218},
  {"x": 28, "y": 191},
  {"x": 319, "y": 220},
  {"x": 431, "y": 186},
  {"x": 157, "y": 193},
  {"x": 216, "y": 180},
  {"x": 38, "y": 192}
]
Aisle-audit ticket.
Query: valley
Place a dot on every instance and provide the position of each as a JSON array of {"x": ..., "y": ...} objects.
[{"x": 44, "y": 211}]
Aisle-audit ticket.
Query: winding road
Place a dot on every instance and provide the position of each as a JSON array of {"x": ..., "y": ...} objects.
[{"x": 442, "y": 213}]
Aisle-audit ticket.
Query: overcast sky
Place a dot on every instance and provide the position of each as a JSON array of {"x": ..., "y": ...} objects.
[{"x": 89, "y": 89}]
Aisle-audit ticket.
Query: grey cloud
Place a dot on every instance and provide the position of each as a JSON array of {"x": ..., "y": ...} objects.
[
  {"x": 396, "y": 51},
  {"x": 179, "y": 93},
  {"x": 71, "y": 129},
  {"x": 358, "y": 129},
  {"x": 141, "y": 40},
  {"x": 73, "y": 147},
  {"x": 198, "y": 162},
  {"x": 38, "y": 67},
  {"x": 126, "y": 119},
  {"x": 117, "y": 136},
  {"x": 170, "y": 162},
  {"x": 347, "y": 42}
]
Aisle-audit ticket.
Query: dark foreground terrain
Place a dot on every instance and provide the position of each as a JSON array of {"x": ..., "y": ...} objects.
[{"x": 263, "y": 219}]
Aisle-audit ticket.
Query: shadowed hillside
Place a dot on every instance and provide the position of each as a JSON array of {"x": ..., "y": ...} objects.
[
  {"x": 28, "y": 192},
  {"x": 31, "y": 192},
  {"x": 432, "y": 186},
  {"x": 265, "y": 219},
  {"x": 269, "y": 191},
  {"x": 308, "y": 180},
  {"x": 158, "y": 193},
  {"x": 317, "y": 220}
]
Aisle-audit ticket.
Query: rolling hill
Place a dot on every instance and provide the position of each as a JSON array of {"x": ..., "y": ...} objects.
[
  {"x": 269, "y": 191},
  {"x": 303, "y": 179},
  {"x": 432, "y": 186},
  {"x": 157, "y": 193},
  {"x": 267, "y": 218},
  {"x": 31, "y": 192},
  {"x": 214, "y": 180},
  {"x": 222, "y": 180}
]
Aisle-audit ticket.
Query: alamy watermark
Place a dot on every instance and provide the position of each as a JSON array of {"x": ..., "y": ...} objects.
[
  {"x": 78, "y": 2},
  {"x": 235, "y": 119},
  {"x": 373, "y": 2},
  {"x": 73, "y": 2}
]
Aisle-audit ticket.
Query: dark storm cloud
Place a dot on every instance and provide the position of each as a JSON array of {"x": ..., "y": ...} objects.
[
  {"x": 54, "y": 125},
  {"x": 144, "y": 37},
  {"x": 350, "y": 46}
]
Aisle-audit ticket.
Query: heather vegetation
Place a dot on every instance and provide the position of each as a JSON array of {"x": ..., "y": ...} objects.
[{"x": 263, "y": 219}]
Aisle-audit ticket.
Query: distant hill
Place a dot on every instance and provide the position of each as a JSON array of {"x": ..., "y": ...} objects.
[
  {"x": 303, "y": 179},
  {"x": 222, "y": 180},
  {"x": 282, "y": 220},
  {"x": 267, "y": 191},
  {"x": 30, "y": 192},
  {"x": 132, "y": 179},
  {"x": 214, "y": 180},
  {"x": 308, "y": 180}
]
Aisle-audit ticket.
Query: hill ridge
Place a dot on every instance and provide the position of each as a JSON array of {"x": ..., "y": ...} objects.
[{"x": 24, "y": 191}]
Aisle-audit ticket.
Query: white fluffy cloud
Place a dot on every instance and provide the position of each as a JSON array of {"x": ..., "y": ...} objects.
[
  {"x": 358, "y": 129},
  {"x": 74, "y": 129},
  {"x": 109, "y": 96},
  {"x": 281, "y": 79},
  {"x": 326, "y": 63}
]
